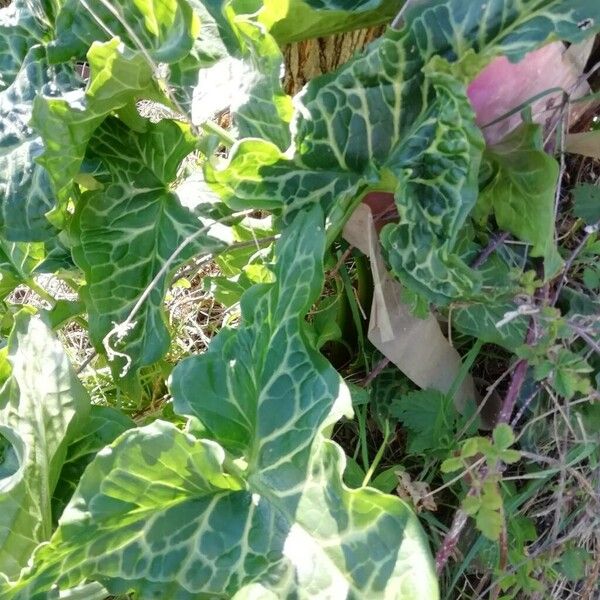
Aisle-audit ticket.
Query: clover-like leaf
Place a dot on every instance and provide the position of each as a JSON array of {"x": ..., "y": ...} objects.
[
  {"x": 42, "y": 405},
  {"x": 175, "y": 517},
  {"x": 503, "y": 436}
]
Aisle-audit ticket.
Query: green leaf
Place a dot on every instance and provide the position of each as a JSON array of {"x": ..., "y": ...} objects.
[
  {"x": 452, "y": 464},
  {"x": 101, "y": 427},
  {"x": 22, "y": 25},
  {"x": 264, "y": 111},
  {"x": 385, "y": 390},
  {"x": 175, "y": 517},
  {"x": 63, "y": 311},
  {"x": 510, "y": 456},
  {"x": 573, "y": 563},
  {"x": 430, "y": 418},
  {"x": 522, "y": 189},
  {"x": 470, "y": 447},
  {"x": 511, "y": 29},
  {"x": 489, "y": 522},
  {"x": 271, "y": 335},
  {"x": 480, "y": 321},
  {"x": 42, "y": 406},
  {"x": 503, "y": 436},
  {"x": 152, "y": 484},
  {"x": 471, "y": 505},
  {"x": 354, "y": 474},
  {"x": 25, "y": 188},
  {"x": 118, "y": 77},
  {"x": 302, "y": 19},
  {"x": 165, "y": 29},
  {"x": 18, "y": 261},
  {"x": 591, "y": 279},
  {"x": 387, "y": 480},
  {"x": 569, "y": 374},
  {"x": 397, "y": 118},
  {"x": 166, "y": 32},
  {"x": 587, "y": 202},
  {"x": 125, "y": 233}
]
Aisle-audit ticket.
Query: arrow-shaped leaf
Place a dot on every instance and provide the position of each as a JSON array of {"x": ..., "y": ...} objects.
[
  {"x": 126, "y": 232},
  {"x": 42, "y": 405},
  {"x": 25, "y": 188},
  {"x": 175, "y": 517},
  {"x": 398, "y": 119}
]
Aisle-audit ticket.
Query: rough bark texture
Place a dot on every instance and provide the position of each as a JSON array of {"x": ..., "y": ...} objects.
[{"x": 310, "y": 58}]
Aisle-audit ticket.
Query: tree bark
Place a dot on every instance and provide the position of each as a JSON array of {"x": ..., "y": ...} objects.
[{"x": 310, "y": 58}]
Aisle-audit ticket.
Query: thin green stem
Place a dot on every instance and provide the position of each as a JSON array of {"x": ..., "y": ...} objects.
[
  {"x": 212, "y": 128},
  {"x": 41, "y": 292},
  {"x": 465, "y": 368},
  {"x": 362, "y": 435},
  {"x": 378, "y": 456}
]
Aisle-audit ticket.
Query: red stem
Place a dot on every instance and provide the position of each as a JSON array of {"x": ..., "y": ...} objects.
[{"x": 451, "y": 540}]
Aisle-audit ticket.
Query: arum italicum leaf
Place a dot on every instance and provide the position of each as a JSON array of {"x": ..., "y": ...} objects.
[
  {"x": 26, "y": 191},
  {"x": 299, "y": 19},
  {"x": 17, "y": 263},
  {"x": 118, "y": 76},
  {"x": 42, "y": 405},
  {"x": 22, "y": 25},
  {"x": 123, "y": 44},
  {"x": 398, "y": 119},
  {"x": 167, "y": 32},
  {"x": 172, "y": 516},
  {"x": 265, "y": 111},
  {"x": 165, "y": 29},
  {"x": 125, "y": 232}
]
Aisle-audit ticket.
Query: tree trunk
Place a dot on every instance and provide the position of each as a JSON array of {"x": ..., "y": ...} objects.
[{"x": 310, "y": 58}]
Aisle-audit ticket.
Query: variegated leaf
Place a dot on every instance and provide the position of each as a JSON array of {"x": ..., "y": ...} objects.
[
  {"x": 26, "y": 192},
  {"x": 175, "y": 517},
  {"x": 118, "y": 77},
  {"x": 18, "y": 262},
  {"x": 42, "y": 404},
  {"x": 23, "y": 24},
  {"x": 125, "y": 232},
  {"x": 398, "y": 119}
]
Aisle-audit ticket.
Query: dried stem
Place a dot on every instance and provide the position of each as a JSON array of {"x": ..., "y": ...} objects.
[
  {"x": 496, "y": 241},
  {"x": 451, "y": 540},
  {"x": 380, "y": 366}
]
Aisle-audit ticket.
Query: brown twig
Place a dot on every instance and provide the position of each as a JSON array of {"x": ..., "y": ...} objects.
[
  {"x": 514, "y": 389},
  {"x": 451, "y": 540},
  {"x": 518, "y": 377},
  {"x": 496, "y": 241},
  {"x": 380, "y": 366},
  {"x": 343, "y": 258}
]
